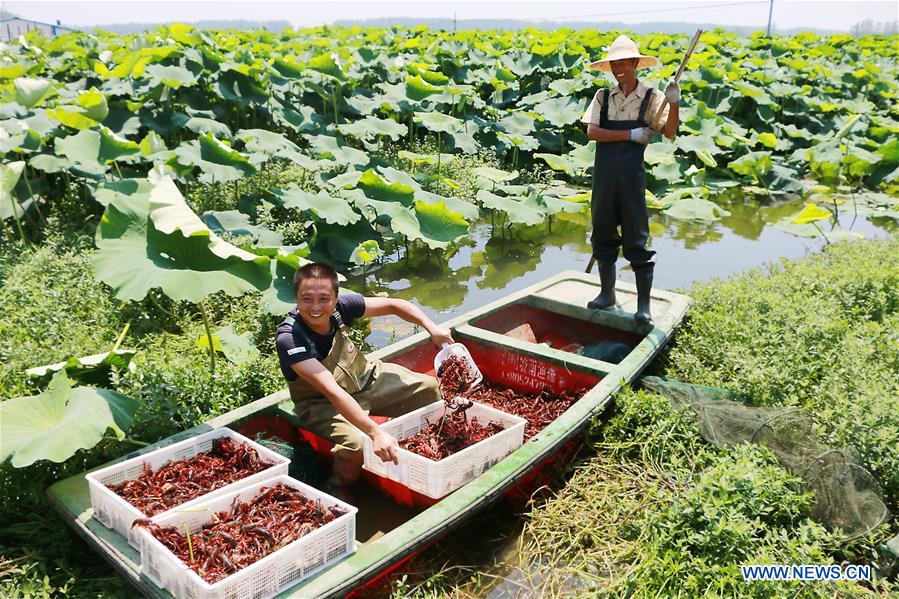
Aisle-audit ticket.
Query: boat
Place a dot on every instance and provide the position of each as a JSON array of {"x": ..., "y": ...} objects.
[{"x": 393, "y": 523}]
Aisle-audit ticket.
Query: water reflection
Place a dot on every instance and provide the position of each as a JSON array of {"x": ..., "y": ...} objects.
[{"x": 496, "y": 261}]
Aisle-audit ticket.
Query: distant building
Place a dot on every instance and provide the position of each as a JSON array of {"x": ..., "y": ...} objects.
[{"x": 12, "y": 28}]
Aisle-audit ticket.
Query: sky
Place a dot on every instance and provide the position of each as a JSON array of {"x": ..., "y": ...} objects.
[{"x": 826, "y": 14}]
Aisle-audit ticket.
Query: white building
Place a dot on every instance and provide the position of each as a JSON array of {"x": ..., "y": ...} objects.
[{"x": 13, "y": 27}]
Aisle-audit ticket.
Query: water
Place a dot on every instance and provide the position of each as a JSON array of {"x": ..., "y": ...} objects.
[{"x": 494, "y": 263}]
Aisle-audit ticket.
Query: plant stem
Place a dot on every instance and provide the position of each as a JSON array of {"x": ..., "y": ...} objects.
[
  {"x": 134, "y": 442},
  {"x": 121, "y": 337},
  {"x": 15, "y": 214},
  {"x": 208, "y": 337},
  {"x": 35, "y": 200},
  {"x": 821, "y": 232}
]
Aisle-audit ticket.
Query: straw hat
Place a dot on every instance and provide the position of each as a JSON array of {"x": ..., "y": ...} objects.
[{"x": 623, "y": 47}]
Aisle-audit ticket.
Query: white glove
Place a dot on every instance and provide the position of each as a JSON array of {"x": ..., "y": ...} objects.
[
  {"x": 641, "y": 135},
  {"x": 672, "y": 92}
]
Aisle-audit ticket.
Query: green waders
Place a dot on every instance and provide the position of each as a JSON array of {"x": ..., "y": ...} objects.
[
  {"x": 379, "y": 387},
  {"x": 619, "y": 198}
]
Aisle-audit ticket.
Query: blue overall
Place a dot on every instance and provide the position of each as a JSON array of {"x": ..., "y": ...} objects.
[{"x": 619, "y": 195}]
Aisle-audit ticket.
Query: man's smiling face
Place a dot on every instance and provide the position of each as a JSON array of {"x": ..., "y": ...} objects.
[
  {"x": 624, "y": 69},
  {"x": 316, "y": 302}
]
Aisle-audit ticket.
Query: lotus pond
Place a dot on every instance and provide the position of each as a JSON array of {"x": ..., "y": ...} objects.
[{"x": 158, "y": 191}]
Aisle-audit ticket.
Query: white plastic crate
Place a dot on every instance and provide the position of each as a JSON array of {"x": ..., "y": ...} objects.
[
  {"x": 264, "y": 578},
  {"x": 114, "y": 512},
  {"x": 438, "y": 479}
]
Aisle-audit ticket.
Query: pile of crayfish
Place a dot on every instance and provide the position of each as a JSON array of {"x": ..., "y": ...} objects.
[
  {"x": 246, "y": 533},
  {"x": 180, "y": 481},
  {"x": 539, "y": 409},
  {"x": 453, "y": 431},
  {"x": 448, "y": 435}
]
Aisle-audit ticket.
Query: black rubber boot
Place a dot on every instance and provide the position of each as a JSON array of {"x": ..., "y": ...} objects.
[
  {"x": 644, "y": 286},
  {"x": 606, "y": 297}
]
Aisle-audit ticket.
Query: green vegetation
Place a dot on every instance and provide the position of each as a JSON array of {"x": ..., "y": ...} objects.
[
  {"x": 158, "y": 191},
  {"x": 654, "y": 510}
]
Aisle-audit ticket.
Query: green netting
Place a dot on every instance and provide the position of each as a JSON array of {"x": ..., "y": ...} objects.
[
  {"x": 305, "y": 464},
  {"x": 847, "y": 496}
]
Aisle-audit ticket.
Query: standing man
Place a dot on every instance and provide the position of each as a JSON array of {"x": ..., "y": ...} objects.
[
  {"x": 619, "y": 121},
  {"x": 333, "y": 385}
]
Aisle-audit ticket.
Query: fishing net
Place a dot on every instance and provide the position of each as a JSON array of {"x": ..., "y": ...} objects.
[{"x": 847, "y": 496}]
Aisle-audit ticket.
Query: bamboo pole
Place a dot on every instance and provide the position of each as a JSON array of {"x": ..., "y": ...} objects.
[{"x": 680, "y": 71}]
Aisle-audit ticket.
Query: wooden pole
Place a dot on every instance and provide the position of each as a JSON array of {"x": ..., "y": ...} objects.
[{"x": 680, "y": 71}]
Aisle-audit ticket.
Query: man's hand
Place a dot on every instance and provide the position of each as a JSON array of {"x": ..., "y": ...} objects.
[
  {"x": 440, "y": 335},
  {"x": 672, "y": 92},
  {"x": 641, "y": 135},
  {"x": 385, "y": 446}
]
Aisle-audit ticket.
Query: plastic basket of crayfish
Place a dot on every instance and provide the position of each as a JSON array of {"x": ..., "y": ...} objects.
[
  {"x": 251, "y": 543},
  {"x": 438, "y": 478},
  {"x": 179, "y": 475}
]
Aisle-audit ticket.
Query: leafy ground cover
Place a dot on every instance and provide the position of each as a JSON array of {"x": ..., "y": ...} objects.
[{"x": 654, "y": 510}]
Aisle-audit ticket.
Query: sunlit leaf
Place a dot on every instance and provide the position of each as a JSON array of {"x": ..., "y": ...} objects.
[
  {"x": 812, "y": 213},
  {"x": 57, "y": 423}
]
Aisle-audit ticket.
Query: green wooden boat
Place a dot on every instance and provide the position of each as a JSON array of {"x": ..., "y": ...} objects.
[{"x": 393, "y": 523}]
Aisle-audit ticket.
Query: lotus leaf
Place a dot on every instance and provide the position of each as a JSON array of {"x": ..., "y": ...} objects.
[
  {"x": 494, "y": 174},
  {"x": 330, "y": 147},
  {"x": 553, "y": 205},
  {"x": 238, "y": 348},
  {"x": 171, "y": 76},
  {"x": 93, "y": 104},
  {"x": 29, "y": 92},
  {"x": 237, "y": 224},
  {"x": 60, "y": 421},
  {"x": 812, "y": 231},
  {"x": 753, "y": 164},
  {"x": 693, "y": 208},
  {"x": 162, "y": 244},
  {"x": 439, "y": 122},
  {"x": 366, "y": 252},
  {"x": 201, "y": 125},
  {"x": 91, "y": 151},
  {"x": 72, "y": 116},
  {"x": 518, "y": 123},
  {"x": 346, "y": 180},
  {"x": 671, "y": 172},
  {"x": 48, "y": 163},
  {"x": 418, "y": 89},
  {"x": 331, "y": 209},
  {"x": 464, "y": 142},
  {"x": 137, "y": 190},
  {"x": 560, "y": 111},
  {"x": 812, "y": 213},
  {"x": 371, "y": 127},
  {"x": 377, "y": 188},
  {"x": 516, "y": 209},
  {"x": 466, "y": 209},
  {"x": 89, "y": 370},
  {"x": 438, "y": 225},
  {"x": 217, "y": 161},
  {"x": 303, "y": 120},
  {"x": 327, "y": 64}
]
